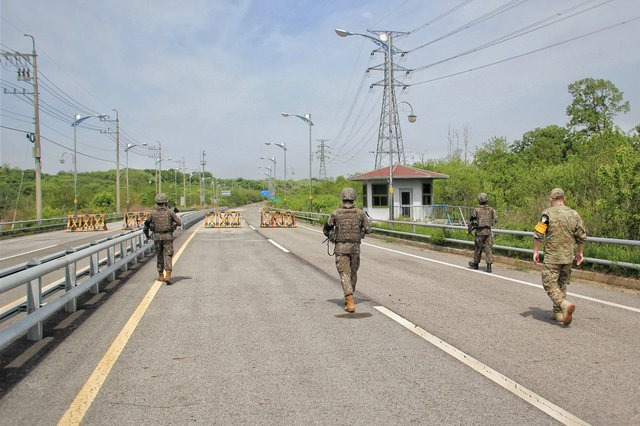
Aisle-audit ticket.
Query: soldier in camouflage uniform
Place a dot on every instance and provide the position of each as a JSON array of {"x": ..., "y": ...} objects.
[
  {"x": 560, "y": 228},
  {"x": 346, "y": 227},
  {"x": 162, "y": 222},
  {"x": 482, "y": 219}
]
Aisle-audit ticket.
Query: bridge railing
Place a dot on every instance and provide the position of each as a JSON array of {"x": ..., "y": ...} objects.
[
  {"x": 43, "y": 225},
  {"x": 414, "y": 226},
  {"x": 121, "y": 251}
]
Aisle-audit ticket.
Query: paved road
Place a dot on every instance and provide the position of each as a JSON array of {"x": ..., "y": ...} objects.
[{"x": 251, "y": 333}]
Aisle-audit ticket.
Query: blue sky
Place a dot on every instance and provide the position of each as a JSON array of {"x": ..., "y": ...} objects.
[{"x": 215, "y": 75}]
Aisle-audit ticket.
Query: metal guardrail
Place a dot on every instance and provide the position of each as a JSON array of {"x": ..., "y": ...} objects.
[
  {"x": 191, "y": 218},
  {"x": 316, "y": 217},
  {"x": 19, "y": 226},
  {"x": 132, "y": 248}
]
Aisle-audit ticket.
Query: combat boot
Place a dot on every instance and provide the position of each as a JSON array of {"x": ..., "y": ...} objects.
[
  {"x": 473, "y": 265},
  {"x": 167, "y": 277},
  {"x": 351, "y": 306},
  {"x": 558, "y": 316},
  {"x": 488, "y": 267},
  {"x": 160, "y": 277},
  {"x": 567, "y": 311}
]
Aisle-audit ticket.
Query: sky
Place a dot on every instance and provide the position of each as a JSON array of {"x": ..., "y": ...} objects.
[{"x": 196, "y": 75}]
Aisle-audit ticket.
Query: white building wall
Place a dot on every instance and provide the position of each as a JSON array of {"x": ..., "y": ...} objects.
[{"x": 415, "y": 208}]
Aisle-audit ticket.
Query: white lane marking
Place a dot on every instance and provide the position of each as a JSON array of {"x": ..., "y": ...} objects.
[
  {"x": 579, "y": 296},
  {"x": 520, "y": 391},
  {"x": 251, "y": 226},
  {"x": 27, "y": 252},
  {"x": 278, "y": 245}
]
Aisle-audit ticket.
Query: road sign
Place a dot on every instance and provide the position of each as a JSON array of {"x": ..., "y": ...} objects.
[{"x": 225, "y": 193}]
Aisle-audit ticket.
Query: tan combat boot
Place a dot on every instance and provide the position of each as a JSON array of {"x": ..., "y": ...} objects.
[
  {"x": 558, "y": 316},
  {"x": 167, "y": 277},
  {"x": 567, "y": 311},
  {"x": 160, "y": 277},
  {"x": 351, "y": 306}
]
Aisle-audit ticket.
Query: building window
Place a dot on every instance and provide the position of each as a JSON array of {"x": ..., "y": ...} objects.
[
  {"x": 426, "y": 194},
  {"x": 379, "y": 195},
  {"x": 364, "y": 196}
]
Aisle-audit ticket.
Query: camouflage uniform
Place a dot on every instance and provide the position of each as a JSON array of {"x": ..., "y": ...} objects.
[
  {"x": 346, "y": 227},
  {"x": 162, "y": 221},
  {"x": 564, "y": 229},
  {"x": 482, "y": 219}
]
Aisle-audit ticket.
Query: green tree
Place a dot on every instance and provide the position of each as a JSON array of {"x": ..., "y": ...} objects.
[
  {"x": 547, "y": 145},
  {"x": 595, "y": 104},
  {"x": 103, "y": 202}
]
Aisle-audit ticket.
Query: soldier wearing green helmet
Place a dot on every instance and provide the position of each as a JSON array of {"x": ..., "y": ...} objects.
[
  {"x": 481, "y": 220},
  {"x": 346, "y": 228},
  {"x": 162, "y": 222}
]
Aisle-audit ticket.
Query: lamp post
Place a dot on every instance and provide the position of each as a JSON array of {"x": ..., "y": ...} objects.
[
  {"x": 283, "y": 146},
  {"x": 126, "y": 152},
  {"x": 77, "y": 120},
  {"x": 306, "y": 118}
]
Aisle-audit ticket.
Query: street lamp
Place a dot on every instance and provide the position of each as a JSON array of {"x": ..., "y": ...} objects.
[
  {"x": 306, "y": 118},
  {"x": 77, "y": 120},
  {"x": 62, "y": 157},
  {"x": 283, "y": 146},
  {"x": 411, "y": 117},
  {"x": 126, "y": 152}
]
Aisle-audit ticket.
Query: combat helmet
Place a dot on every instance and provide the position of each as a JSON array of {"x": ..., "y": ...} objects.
[
  {"x": 483, "y": 198},
  {"x": 162, "y": 198},
  {"x": 348, "y": 194}
]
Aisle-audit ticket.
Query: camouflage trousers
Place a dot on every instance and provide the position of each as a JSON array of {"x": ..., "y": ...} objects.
[
  {"x": 164, "y": 254},
  {"x": 483, "y": 242},
  {"x": 555, "y": 279},
  {"x": 347, "y": 265}
]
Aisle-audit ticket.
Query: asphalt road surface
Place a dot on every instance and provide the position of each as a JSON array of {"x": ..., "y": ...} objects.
[{"x": 253, "y": 332}]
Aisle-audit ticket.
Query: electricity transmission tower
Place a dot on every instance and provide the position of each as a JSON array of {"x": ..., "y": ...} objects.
[
  {"x": 389, "y": 132},
  {"x": 323, "y": 154}
]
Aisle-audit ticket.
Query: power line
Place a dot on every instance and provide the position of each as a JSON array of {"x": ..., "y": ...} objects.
[
  {"x": 492, "y": 14},
  {"x": 543, "y": 23},
  {"x": 443, "y": 15},
  {"x": 529, "y": 52}
]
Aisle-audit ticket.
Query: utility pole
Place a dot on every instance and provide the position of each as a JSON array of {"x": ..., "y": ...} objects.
[
  {"x": 203, "y": 163},
  {"x": 117, "y": 121},
  {"x": 24, "y": 74},
  {"x": 322, "y": 155}
]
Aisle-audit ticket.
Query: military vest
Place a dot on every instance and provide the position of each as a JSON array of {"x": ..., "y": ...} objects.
[
  {"x": 486, "y": 216},
  {"x": 161, "y": 219},
  {"x": 348, "y": 223}
]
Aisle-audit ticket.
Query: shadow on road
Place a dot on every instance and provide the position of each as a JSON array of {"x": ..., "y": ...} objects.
[{"x": 540, "y": 315}]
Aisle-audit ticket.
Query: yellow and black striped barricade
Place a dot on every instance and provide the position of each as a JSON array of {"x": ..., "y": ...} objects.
[
  {"x": 134, "y": 220},
  {"x": 277, "y": 219},
  {"x": 228, "y": 219},
  {"x": 86, "y": 222}
]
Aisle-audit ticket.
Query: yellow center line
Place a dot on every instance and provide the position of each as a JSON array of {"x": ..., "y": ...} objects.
[{"x": 80, "y": 405}]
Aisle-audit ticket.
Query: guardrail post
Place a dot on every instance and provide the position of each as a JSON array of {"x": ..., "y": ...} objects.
[
  {"x": 70, "y": 282},
  {"x": 123, "y": 254},
  {"x": 111, "y": 258},
  {"x": 94, "y": 269},
  {"x": 34, "y": 299}
]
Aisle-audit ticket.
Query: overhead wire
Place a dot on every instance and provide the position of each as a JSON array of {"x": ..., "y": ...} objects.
[
  {"x": 530, "y": 52},
  {"x": 442, "y": 15},
  {"x": 489, "y": 15},
  {"x": 540, "y": 24}
]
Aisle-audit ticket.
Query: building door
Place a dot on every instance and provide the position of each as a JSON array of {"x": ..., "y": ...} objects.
[{"x": 405, "y": 202}]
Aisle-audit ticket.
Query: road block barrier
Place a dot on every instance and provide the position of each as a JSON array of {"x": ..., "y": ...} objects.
[
  {"x": 134, "y": 220},
  {"x": 86, "y": 222},
  {"x": 277, "y": 219},
  {"x": 228, "y": 219}
]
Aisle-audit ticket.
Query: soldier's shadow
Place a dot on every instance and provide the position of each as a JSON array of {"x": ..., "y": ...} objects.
[
  {"x": 540, "y": 315},
  {"x": 178, "y": 278},
  {"x": 340, "y": 302}
]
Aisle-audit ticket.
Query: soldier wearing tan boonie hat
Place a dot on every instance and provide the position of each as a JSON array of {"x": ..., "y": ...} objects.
[{"x": 560, "y": 227}]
